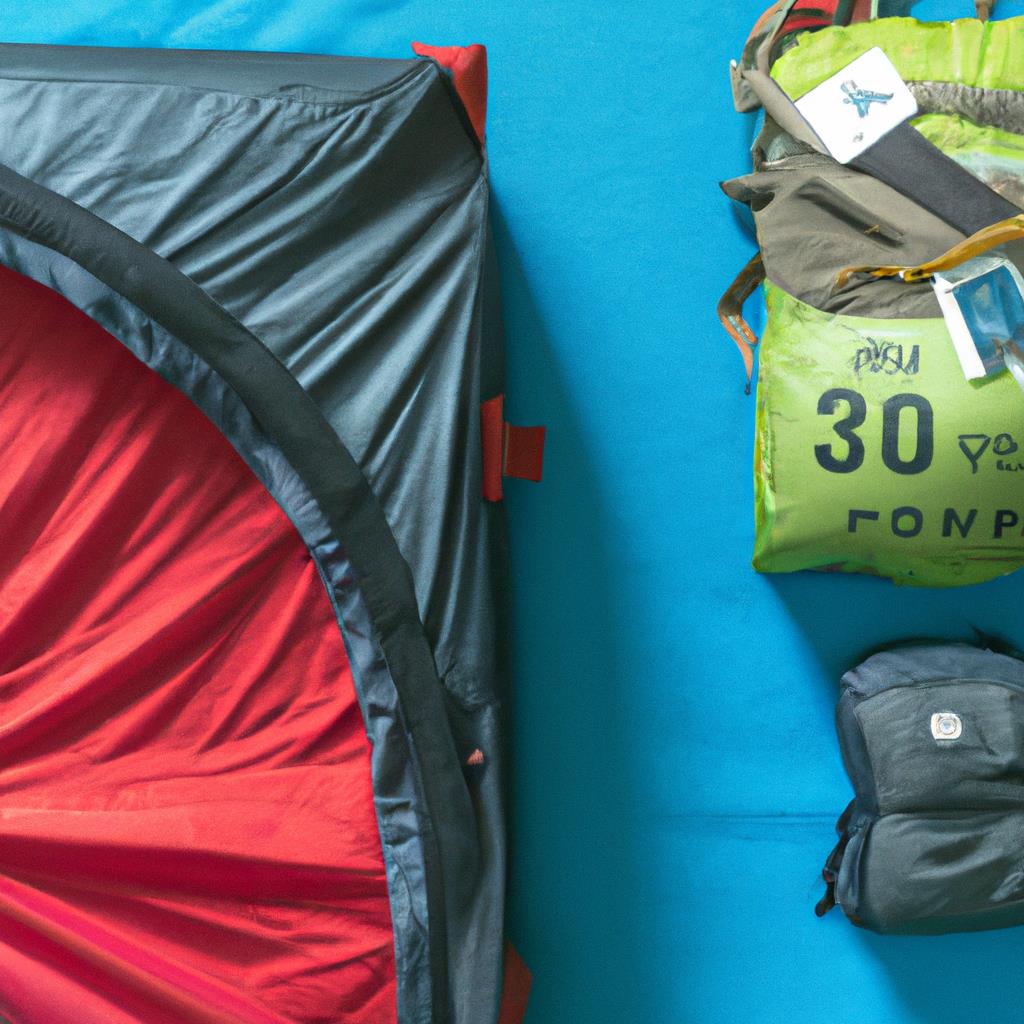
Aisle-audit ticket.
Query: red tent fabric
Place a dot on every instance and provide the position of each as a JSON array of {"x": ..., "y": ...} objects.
[{"x": 187, "y": 829}]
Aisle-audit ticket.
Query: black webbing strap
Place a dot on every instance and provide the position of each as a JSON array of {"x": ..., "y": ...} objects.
[
  {"x": 906, "y": 160},
  {"x": 830, "y": 872}
]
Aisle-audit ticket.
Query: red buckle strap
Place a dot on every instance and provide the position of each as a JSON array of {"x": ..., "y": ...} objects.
[{"x": 508, "y": 450}]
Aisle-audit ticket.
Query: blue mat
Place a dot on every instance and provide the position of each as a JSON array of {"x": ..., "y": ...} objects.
[{"x": 677, "y": 778}]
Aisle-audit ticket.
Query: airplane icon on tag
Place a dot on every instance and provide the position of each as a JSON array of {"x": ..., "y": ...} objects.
[
  {"x": 847, "y": 118},
  {"x": 863, "y": 98}
]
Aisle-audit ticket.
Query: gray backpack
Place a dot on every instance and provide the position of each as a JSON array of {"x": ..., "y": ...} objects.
[{"x": 932, "y": 737}]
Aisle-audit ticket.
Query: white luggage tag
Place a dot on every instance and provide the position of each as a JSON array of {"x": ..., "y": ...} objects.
[
  {"x": 982, "y": 301},
  {"x": 854, "y": 108}
]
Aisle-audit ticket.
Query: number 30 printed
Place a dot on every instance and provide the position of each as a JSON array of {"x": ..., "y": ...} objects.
[{"x": 892, "y": 414}]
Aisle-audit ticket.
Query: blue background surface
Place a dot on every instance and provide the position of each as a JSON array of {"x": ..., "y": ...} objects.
[{"x": 676, "y": 777}]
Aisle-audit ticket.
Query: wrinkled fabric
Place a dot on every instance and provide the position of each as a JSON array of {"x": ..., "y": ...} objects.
[
  {"x": 338, "y": 208},
  {"x": 400, "y": 813},
  {"x": 816, "y": 216},
  {"x": 997, "y": 108},
  {"x": 874, "y": 453},
  {"x": 328, "y": 269},
  {"x": 331, "y": 217},
  {"x": 187, "y": 830},
  {"x": 992, "y": 154}
]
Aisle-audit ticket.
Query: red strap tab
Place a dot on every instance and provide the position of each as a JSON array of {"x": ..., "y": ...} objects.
[
  {"x": 468, "y": 66},
  {"x": 524, "y": 452},
  {"x": 516, "y": 990},
  {"x": 507, "y": 450}
]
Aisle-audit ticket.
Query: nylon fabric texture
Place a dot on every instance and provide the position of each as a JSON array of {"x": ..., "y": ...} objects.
[
  {"x": 378, "y": 462},
  {"x": 645, "y": 883},
  {"x": 188, "y": 831},
  {"x": 256, "y": 177}
]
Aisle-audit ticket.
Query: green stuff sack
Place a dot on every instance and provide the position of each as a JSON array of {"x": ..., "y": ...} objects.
[{"x": 874, "y": 453}]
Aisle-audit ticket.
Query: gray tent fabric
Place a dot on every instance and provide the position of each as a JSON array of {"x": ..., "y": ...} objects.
[
  {"x": 931, "y": 739},
  {"x": 301, "y": 245},
  {"x": 337, "y": 208}
]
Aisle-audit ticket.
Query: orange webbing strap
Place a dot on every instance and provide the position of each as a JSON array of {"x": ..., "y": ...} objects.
[
  {"x": 516, "y": 989},
  {"x": 980, "y": 242},
  {"x": 730, "y": 311}
]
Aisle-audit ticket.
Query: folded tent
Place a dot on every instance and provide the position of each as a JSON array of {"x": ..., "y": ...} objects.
[{"x": 249, "y": 623}]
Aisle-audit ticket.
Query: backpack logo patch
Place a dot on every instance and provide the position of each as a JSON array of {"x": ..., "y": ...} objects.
[{"x": 946, "y": 726}]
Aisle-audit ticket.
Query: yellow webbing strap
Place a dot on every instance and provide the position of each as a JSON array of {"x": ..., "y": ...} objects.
[{"x": 1004, "y": 231}]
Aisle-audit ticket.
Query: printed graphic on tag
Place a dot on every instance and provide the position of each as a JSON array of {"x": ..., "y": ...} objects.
[
  {"x": 982, "y": 302},
  {"x": 857, "y": 106}
]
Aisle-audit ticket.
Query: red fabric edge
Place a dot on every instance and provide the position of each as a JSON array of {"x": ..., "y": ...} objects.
[
  {"x": 468, "y": 67},
  {"x": 492, "y": 442},
  {"x": 829, "y": 6},
  {"x": 515, "y": 992}
]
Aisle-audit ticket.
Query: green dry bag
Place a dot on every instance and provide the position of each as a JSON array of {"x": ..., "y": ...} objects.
[{"x": 874, "y": 453}]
